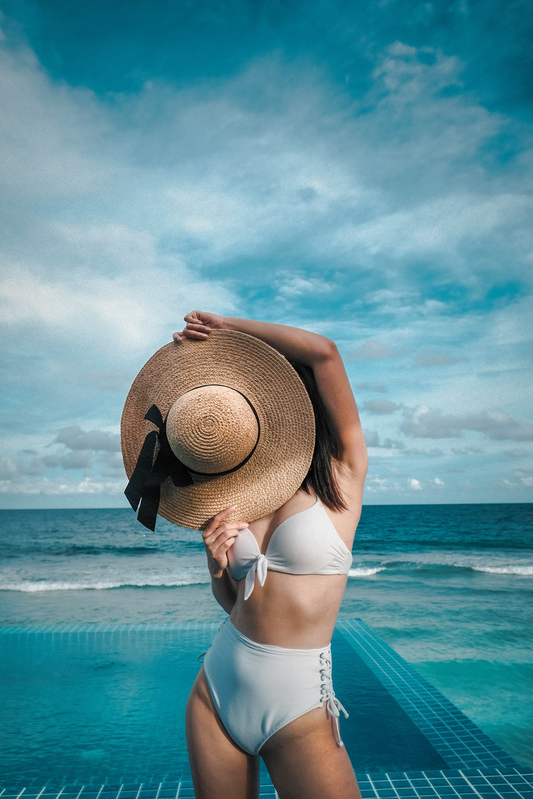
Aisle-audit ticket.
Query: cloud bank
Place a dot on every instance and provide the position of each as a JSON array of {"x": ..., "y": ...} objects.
[{"x": 373, "y": 188}]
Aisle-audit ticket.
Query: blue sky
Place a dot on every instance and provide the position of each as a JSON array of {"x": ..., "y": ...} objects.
[{"x": 359, "y": 169}]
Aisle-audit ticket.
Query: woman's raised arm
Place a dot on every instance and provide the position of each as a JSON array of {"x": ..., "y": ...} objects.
[{"x": 314, "y": 350}]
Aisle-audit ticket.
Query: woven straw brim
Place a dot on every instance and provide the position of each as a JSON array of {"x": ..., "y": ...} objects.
[{"x": 284, "y": 452}]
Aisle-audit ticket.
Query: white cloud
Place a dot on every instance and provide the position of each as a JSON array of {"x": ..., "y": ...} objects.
[
  {"x": 77, "y": 439},
  {"x": 8, "y": 469},
  {"x": 55, "y": 134},
  {"x": 293, "y": 286},
  {"x": 378, "y": 388},
  {"x": 424, "y": 422},
  {"x": 61, "y": 487},
  {"x": 518, "y": 481},
  {"x": 129, "y": 312},
  {"x": 439, "y": 226},
  {"x": 380, "y": 406},
  {"x": 516, "y": 452},
  {"x": 371, "y": 350},
  {"x": 85, "y": 305},
  {"x": 436, "y": 452},
  {"x": 372, "y": 438},
  {"x": 77, "y": 459},
  {"x": 431, "y": 357},
  {"x": 467, "y": 451},
  {"x": 415, "y": 484}
]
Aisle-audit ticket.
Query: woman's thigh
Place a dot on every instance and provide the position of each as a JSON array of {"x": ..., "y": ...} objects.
[
  {"x": 219, "y": 767},
  {"x": 304, "y": 761}
]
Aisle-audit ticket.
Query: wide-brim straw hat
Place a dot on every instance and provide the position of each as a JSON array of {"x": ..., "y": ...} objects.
[{"x": 232, "y": 425}]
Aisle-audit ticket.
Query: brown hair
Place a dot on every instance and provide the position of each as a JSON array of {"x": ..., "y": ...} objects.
[{"x": 320, "y": 476}]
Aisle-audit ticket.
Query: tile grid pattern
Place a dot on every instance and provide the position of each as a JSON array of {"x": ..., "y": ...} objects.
[
  {"x": 451, "y": 733},
  {"x": 182, "y": 789},
  {"x": 457, "y": 739},
  {"x": 496, "y": 783},
  {"x": 502, "y": 783}
]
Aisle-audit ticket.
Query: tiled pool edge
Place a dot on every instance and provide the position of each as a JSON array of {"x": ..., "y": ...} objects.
[
  {"x": 455, "y": 737},
  {"x": 478, "y": 767},
  {"x": 510, "y": 783},
  {"x": 113, "y": 627}
]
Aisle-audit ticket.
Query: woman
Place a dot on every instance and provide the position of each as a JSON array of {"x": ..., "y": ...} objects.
[{"x": 289, "y": 610}]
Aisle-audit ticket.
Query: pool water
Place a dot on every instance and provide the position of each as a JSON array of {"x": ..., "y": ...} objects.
[{"x": 101, "y": 703}]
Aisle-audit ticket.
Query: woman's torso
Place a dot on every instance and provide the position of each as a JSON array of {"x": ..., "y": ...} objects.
[{"x": 297, "y": 610}]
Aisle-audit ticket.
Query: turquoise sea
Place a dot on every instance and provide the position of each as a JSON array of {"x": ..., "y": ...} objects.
[{"x": 450, "y": 587}]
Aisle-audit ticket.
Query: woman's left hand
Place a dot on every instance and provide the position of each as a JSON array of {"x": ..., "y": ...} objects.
[
  {"x": 199, "y": 325},
  {"x": 219, "y": 535}
]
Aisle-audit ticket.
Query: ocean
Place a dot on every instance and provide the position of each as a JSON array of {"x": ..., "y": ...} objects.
[{"x": 450, "y": 587}]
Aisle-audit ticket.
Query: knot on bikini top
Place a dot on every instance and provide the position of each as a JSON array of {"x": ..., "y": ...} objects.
[{"x": 258, "y": 566}]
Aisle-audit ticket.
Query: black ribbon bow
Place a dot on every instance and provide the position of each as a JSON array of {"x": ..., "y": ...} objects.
[{"x": 144, "y": 488}]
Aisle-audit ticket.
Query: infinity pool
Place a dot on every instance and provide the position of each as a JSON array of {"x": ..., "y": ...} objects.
[
  {"x": 96, "y": 712},
  {"x": 106, "y": 703}
]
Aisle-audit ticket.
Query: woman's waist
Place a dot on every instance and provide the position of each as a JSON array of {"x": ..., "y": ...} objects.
[
  {"x": 287, "y": 618},
  {"x": 274, "y": 648}
]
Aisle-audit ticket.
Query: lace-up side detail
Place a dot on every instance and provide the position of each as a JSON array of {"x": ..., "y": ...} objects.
[{"x": 327, "y": 694}]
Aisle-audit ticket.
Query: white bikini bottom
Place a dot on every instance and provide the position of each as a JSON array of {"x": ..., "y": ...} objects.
[{"x": 257, "y": 689}]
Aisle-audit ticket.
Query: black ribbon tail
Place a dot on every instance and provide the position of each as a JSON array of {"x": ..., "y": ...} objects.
[
  {"x": 143, "y": 470},
  {"x": 147, "y": 514},
  {"x": 144, "y": 488}
]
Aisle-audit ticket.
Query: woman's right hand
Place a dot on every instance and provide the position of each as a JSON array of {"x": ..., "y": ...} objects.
[
  {"x": 199, "y": 325},
  {"x": 219, "y": 536}
]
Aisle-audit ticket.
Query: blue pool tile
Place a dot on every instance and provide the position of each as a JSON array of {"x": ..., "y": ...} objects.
[{"x": 470, "y": 755}]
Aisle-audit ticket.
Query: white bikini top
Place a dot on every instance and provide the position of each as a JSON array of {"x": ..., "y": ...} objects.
[{"x": 305, "y": 543}]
